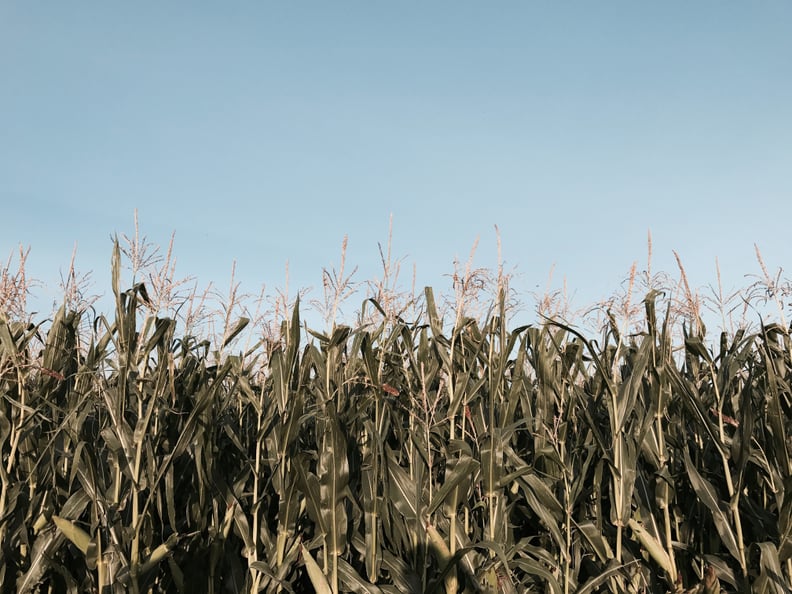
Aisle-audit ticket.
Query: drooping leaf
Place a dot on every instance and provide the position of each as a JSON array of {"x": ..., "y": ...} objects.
[
  {"x": 709, "y": 497},
  {"x": 318, "y": 579}
]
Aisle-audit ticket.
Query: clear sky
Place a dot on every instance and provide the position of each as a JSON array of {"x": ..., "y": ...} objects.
[{"x": 264, "y": 132}]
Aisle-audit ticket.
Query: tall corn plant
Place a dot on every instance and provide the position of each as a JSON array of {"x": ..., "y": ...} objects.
[{"x": 396, "y": 456}]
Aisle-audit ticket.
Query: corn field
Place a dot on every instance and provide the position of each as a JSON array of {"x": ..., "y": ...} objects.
[{"x": 395, "y": 456}]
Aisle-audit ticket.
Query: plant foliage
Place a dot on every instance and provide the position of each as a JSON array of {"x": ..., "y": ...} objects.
[{"x": 392, "y": 457}]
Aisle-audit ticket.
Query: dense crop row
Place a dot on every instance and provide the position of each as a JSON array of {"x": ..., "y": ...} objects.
[{"x": 398, "y": 456}]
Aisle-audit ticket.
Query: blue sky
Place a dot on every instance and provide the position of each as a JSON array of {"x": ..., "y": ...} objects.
[{"x": 263, "y": 133}]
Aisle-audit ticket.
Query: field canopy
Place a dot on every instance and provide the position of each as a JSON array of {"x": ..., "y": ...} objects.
[{"x": 429, "y": 446}]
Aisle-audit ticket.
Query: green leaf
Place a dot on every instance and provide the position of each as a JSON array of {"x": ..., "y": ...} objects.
[
  {"x": 353, "y": 582},
  {"x": 652, "y": 545},
  {"x": 333, "y": 472},
  {"x": 597, "y": 542},
  {"x": 612, "y": 571},
  {"x": 771, "y": 574},
  {"x": 709, "y": 497},
  {"x": 544, "y": 504},
  {"x": 235, "y": 331},
  {"x": 309, "y": 485},
  {"x": 79, "y": 537},
  {"x": 463, "y": 470},
  {"x": 492, "y": 461},
  {"x": 318, "y": 579},
  {"x": 48, "y": 542},
  {"x": 402, "y": 491},
  {"x": 533, "y": 567}
]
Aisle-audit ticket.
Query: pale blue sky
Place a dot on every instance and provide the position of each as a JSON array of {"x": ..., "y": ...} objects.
[{"x": 264, "y": 132}]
